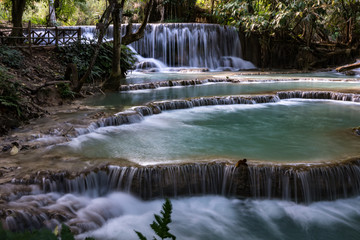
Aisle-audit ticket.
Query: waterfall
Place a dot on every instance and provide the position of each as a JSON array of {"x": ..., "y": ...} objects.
[
  {"x": 192, "y": 45},
  {"x": 300, "y": 183},
  {"x": 173, "y": 83},
  {"x": 136, "y": 114},
  {"x": 326, "y": 95},
  {"x": 303, "y": 183},
  {"x": 184, "y": 45},
  {"x": 153, "y": 182}
]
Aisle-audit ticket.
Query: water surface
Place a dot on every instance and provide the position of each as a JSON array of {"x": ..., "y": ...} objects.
[
  {"x": 139, "y": 97},
  {"x": 293, "y": 130}
]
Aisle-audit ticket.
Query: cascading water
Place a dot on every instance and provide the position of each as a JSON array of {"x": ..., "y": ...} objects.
[
  {"x": 299, "y": 183},
  {"x": 98, "y": 205},
  {"x": 193, "y": 45},
  {"x": 186, "y": 45}
]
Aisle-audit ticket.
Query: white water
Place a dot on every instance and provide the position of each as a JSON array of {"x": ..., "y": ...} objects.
[
  {"x": 172, "y": 47},
  {"x": 117, "y": 215}
]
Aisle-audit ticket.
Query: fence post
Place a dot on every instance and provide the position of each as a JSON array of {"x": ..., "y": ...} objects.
[
  {"x": 79, "y": 35},
  {"x": 56, "y": 36},
  {"x": 29, "y": 37}
]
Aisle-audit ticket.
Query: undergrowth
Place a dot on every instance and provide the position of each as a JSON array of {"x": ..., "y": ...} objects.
[
  {"x": 81, "y": 55},
  {"x": 9, "y": 94},
  {"x": 11, "y": 57},
  {"x": 65, "y": 90},
  {"x": 42, "y": 234}
]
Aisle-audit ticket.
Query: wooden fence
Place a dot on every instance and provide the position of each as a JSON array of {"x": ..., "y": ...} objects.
[{"x": 40, "y": 36}]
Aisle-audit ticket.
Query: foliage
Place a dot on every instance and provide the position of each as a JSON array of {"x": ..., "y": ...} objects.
[
  {"x": 42, "y": 234},
  {"x": 88, "y": 12},
  {"x": 11, "y": 57},
  {"x": 4, "y": 12},
  {"x": 68, "y": 12},
  {"x": 179, "y": 10},
  {"x": 160, "y": 225},
  {"x": 9, "y": 96},
  {"x": 81, "y": 54},
  {"x": 304, "y": 21},
  {"x": 65, "y": 90},
  {"x": 36, "y": 13}
]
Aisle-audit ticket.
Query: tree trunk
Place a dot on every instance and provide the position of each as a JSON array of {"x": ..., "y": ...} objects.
[
  {"x": 212, "y": 6},
  {"x": 113, "y": 83},
  {"x": 17, "y": 11},
  {"x": 56, "y": 6},
  {"x": 52, "y": 16}
]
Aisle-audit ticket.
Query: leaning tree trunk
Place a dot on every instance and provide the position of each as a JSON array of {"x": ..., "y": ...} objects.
[
  {"x": 17, "y": 11},
  {"x": 103, "y": 25}
]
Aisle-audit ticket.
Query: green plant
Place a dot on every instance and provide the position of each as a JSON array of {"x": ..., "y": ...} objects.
[
  {"x": 11, "y": 57},
  {"x": 65, "y": 90},
  {"x": 160, "y": 225},
  {"x": 9, "y": 95},
  {"x": 42, "y": 234},
  {"x": 81, "y": 54}
]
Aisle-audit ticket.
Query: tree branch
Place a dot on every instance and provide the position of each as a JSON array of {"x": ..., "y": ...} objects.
[
  {"x": 105, "y": 25},
  {"x": 132, "y": 37}
]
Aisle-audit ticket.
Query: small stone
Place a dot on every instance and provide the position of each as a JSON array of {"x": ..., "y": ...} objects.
[
  {"x": 25, "y": 147},
  {"x": 14, "y": 150}
]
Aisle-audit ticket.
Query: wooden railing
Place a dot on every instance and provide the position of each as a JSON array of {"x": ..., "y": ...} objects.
[{"x": 40, "y": 36}]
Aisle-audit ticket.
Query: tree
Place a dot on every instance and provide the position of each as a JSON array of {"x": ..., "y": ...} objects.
[
  {"x": 52, "y": 13},
  {"x": 116, "y": 75},
  {"x": 17, "y": 12},
  {"x": 113, "y": 83},
  {"x": 102, "y": 25}
]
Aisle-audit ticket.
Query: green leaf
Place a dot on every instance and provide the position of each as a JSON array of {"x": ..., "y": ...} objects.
[
  {"x": 141, "y": 237},
  {"x": 66, "y": 233}
]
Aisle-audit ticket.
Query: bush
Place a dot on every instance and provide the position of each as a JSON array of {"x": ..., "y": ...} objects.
[
  {"x": 65, "y": 90},
  {"x": 11, "y": 57},
  {"x": 42, "y": 234},
  {"x": 81, "y": 55}
]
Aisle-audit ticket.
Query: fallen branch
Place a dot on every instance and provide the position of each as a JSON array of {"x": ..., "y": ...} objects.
[
  {"x": 34, "y": 91},
  {"x": 348, "y": 67}
]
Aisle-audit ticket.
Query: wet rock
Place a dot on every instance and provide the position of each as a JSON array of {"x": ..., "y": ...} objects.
[
  {"x": 25, "y": 147},
  {"x": 356, "y": 131},
  {"x": 241, "y": 163},
  {"x": 350, "y": 73},
  {"x": 6, "y": 148}
]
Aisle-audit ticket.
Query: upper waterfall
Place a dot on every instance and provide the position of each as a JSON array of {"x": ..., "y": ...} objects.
[
  {"x": 192, "y": 45},
  {"x": 186, "y": 45}
]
